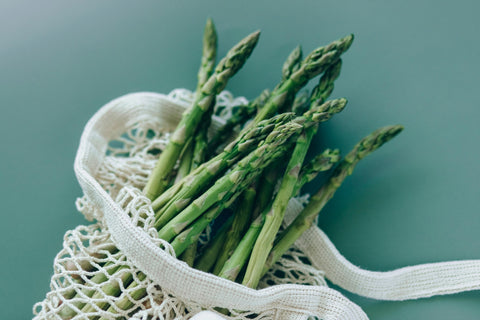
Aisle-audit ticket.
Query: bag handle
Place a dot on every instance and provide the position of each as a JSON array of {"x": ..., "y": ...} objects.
[{"x": 412, "y": 282}]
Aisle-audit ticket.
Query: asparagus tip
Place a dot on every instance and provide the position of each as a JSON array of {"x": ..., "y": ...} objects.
[
  {"x": 377, "y": 138},
  {"x": 255, "y": 35},
  {"x": 348, "y": 40},
  {"x": 210, "y": 27}
]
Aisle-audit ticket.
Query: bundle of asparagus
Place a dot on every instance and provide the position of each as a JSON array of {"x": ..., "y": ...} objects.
[{"x": 241, "y": 178}]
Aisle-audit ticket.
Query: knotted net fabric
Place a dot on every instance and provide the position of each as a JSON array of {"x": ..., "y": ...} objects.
[{"x": 118, "y": 268}]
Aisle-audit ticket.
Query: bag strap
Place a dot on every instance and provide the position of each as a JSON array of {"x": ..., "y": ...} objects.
[{"x": 412, "y": 282}]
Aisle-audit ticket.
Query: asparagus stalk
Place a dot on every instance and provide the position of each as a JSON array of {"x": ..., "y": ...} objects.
[
  {"x": 301, "y": 104},
  {"x": 209, "y": 54},
  {"x": 306, "y": 218},
  {"x": 226, "y": 68},
  {"x": 324, "y": 89},
  {"x": 320, "y": 163},
  {"x": 275, "y": 214},
  {"x": 189, "y": 255},
  {"x": 200, "y": 147},
  {"x": 67, "y": 312},
  {"x": 180, "y": 241},
  {"x": 203, "y": 176},
  {"x": 185, "y": 162},
  {"x": 292, "y": 64},
  {"x": 126, "y": 303},
  {"x": 236, "y": 180},
  {"x": 240, "y": 222},
  {"x": 239, "y": 257},
  {"x": 207, "y": 259},
  {"x": 111, "y": 288},
  {"x": 266, "y": 188},
  {"x": 314, "y": 64},
  {"x": 199, "y": 152},
  {"x": 198, "y": 157},
  {"x": 179, "y": 244},
  {"x": 191, "y": 234}
]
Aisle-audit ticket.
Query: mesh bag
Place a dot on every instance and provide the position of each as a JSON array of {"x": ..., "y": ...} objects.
[{"x": 118, "y": 268}]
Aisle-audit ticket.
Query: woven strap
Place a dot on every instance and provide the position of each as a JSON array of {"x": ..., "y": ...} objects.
[{"x": 420, "y": 281}]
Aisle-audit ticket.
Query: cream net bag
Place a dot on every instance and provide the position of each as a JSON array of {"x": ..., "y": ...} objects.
[{"x": 118, "y": 149}]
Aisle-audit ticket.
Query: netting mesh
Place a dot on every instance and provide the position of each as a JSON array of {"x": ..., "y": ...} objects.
[{"x": 94, "y": 280}]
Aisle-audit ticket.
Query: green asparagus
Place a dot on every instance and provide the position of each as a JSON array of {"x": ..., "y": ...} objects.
[
  {"x": 226, "y": 68},
  {"x": 306, "y": 218}
]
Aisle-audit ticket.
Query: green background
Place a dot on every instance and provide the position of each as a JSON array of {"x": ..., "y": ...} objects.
[{"x": 412, "y": 62}]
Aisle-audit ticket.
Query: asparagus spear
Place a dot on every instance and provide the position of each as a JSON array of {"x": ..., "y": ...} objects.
[
  {"x": 111, "y": 288},
  {"x": 292, "y": 64},
  {"x": 236, "y": 180},
  {"x": 232, "y": 266},
  {"x": 235, "y": 263},
  {"x": 198, "y": 157},
  {"x": 320, "y": 163},
  {"x": 240, "y": 221},
  {"x": 188, "y": 256},
  {"x": 191, "y": 234},
  {"x": 314, "y": 64},
  {"x": 209, "y": 54},
  {"x": 226, "y": 68},
  {"x": 193, "y": 184},
  {"x": 185, "y": 161},
  {"x": 207, "y": 66},
  {"x": 199, "y": 152},
  {"x": 207, "y": 259},
  {"x": 306, "y": 218},
  {"x": 68, "y": 312},
  {"x": 200, "y": 147},
  {"x": 274, "y": 216},
  {"x": 179, "y": 241},
  {"x": 301, "y": 104},
  {"x": 126, "y": 303},
  {"x": 324, "y": 88},
  {"x": 179, "y": 244},
  {"x": 267, "y": 187}
]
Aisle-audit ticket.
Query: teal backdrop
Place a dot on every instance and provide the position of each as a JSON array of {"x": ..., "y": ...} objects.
[{"x": 414, "y": 62}]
